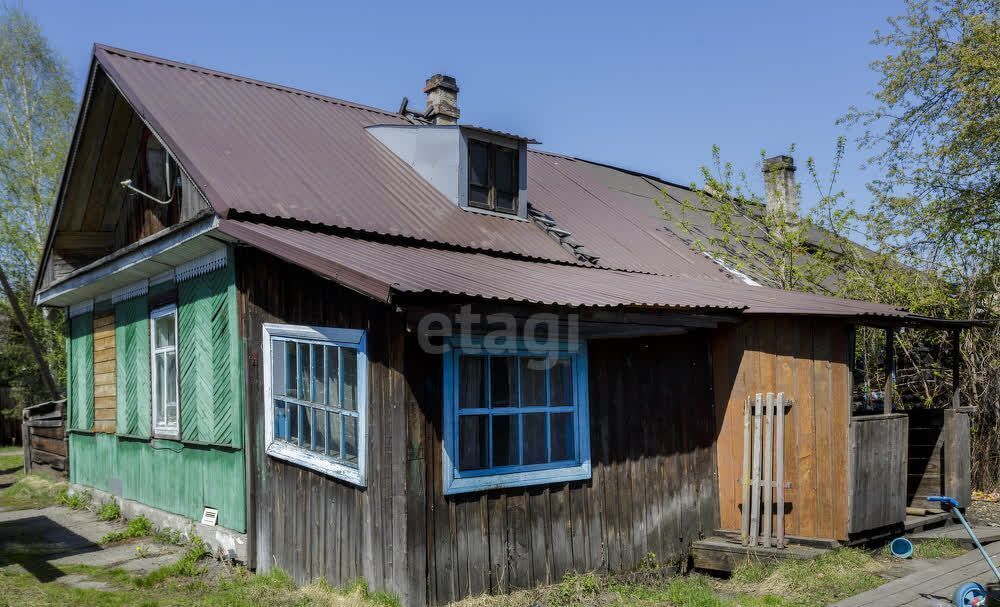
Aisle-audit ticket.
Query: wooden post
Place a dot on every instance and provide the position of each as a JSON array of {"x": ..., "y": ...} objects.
[
  {"x": 755, "y": 496},
  {"x": 779, "y": 467},
  {"x": 956, "y": 364},
  {"x": 890, "y": 369},
  {"x": 768, "y": 466},
  {"x": 745, "y": 481}
]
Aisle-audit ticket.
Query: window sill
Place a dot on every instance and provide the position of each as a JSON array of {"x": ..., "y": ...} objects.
[
  {"x": 515, "y": 479},
  {"x": 316, "y": 462}
]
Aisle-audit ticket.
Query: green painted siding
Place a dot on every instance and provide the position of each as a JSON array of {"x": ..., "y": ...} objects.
[
  {"x": 80, "y": 364},
  {"x": 207, "y": 467},
  {"x": 209, "y": 359},
  {"x": 172, "y": 476},
  {"x": 133, "y": 394}
]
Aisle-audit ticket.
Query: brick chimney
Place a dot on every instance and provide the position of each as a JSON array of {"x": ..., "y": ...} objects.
[
  {"x": 442, "y": 99},
  {"x": 781, "y": 193}
]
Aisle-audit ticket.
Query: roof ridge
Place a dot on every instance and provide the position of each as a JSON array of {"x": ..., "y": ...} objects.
[{"x": 137, "y": 56}]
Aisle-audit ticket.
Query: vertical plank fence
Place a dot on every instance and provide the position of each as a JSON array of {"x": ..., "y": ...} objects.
[
  {"x": 876, "y": 491},
  {"x": 43, "y": 429},
  {"x": 763, "y": 481}
]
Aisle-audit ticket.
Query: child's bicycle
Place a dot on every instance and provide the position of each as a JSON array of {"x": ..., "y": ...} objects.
[{"x": 968, "y": 594}]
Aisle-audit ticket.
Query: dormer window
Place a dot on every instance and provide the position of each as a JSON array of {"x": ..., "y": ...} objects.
[{"x": 493, "y": 179}]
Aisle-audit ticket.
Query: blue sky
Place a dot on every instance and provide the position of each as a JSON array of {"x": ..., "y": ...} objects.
[{"x": 645, "y": 85}]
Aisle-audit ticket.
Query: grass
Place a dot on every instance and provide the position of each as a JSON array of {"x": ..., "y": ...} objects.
[
  {"x": 109, "y": 511},
  {"x": 31, "y": 491},
  {"x": 140, "y": 526},
  {"x": 233, "y": 587},
  {"x": 938, "y": 548},
  {"x": 79, "y": 500}
]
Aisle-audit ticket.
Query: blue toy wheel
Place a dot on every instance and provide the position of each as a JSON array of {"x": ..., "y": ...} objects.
[{"x": 967, "y": 594}]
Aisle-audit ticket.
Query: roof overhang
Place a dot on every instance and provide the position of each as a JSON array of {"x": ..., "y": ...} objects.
[{"x": 144, "y": 259}]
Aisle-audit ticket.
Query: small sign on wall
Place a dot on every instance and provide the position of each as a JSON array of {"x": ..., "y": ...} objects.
[{"x": 210, "y": 516}]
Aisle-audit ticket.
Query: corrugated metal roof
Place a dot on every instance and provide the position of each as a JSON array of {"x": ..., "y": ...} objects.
[
  {"x": 380, "y": 269},
  {"x": 273, "y": 151}
]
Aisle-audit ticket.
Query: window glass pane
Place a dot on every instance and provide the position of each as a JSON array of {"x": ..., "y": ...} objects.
[
  {"x": 561, "y": 382},
  {"x": 305, "y": 372},
  {"x": 164, "y": 331},
  {"x": 479, "y": 196},
  {"x": 319, "y": 431},
  {"x": 350, "y": 378},
  {"x": 505, "y": 160},
  {"x": 170, "y": 386},
  {"x": 280, "y": 420},
  {"x": 335, "y": 435},
  {"x": 479, "y": 164},
  {"x": 319, "y": 375},
  {"x": 305, "y": 439},
  {"x": 533, "y": 427},
  {"x": 293, "y": 423},
  {"x": 503, "y": 381},
  {"x": 506, "y": 202},
  {"x": 350, "y": 439},
  {"x": 473, "y": 449},
  {"x": 505, "y": 440},
  {"x": 159, "y": 397},
  {"x": 291, "y": 369},
  {"x": 563, "y": 445},
  {"x": 277, "y": 367},
  {"x": 532, "y": 381},
  {"x": 472, "y": 382},
  {"x": 333, "y": 375}
]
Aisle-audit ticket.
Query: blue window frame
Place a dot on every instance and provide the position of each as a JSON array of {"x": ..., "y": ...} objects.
[
  {"x": 315, "y": 391},
  {"x": 515, "y": 416}
]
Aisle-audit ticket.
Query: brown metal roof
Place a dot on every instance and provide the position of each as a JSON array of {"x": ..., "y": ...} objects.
[
  {"x": 278, "y": 152},
  {"x": 381, "y": 269}
]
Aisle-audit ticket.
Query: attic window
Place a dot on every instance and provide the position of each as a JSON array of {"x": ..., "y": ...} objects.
[
  {"x": 154, "y": 167},
  {"x": 493, "y": 179}
]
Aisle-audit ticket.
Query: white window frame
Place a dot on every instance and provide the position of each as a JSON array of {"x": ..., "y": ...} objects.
[
  {"x": 458, "y": 481},
  {"x": 344, "y": 338},
  {"x": 163, "y": 430}
]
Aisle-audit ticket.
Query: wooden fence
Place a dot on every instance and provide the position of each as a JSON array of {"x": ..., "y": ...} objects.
[
  {"x": 876, "y": 491},
  {"x": 43, "y": 429}
]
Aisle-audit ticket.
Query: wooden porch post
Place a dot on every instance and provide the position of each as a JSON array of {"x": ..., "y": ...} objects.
[
  {"x": 890, "y": 369},
  {"x": 956, "y": 364}
]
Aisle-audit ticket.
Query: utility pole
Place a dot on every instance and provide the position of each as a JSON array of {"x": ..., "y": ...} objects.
[{"x": 29, "y": 338}]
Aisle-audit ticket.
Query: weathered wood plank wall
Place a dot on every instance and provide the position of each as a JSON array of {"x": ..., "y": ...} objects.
[
  {"x": 44, "y": 435},
  {"x": 306, "y": 523},
  {"x": 807, "y": 359},
  {"x": 104, "y": 372},
  {"x": 652, "y": 489},
  {"x": 876, "y": 492}
]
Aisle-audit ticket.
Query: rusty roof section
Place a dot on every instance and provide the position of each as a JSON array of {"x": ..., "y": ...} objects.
[{"x": 382, "y": 270}]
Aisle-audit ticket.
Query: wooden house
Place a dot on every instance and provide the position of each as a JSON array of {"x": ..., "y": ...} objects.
[{"x": 351, "y": 342}]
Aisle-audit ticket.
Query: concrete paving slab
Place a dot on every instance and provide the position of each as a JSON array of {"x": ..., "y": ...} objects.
[{"x": 40, "y": 541}]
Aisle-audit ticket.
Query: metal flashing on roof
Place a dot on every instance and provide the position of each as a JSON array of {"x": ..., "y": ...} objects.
[{"x": 505, "y": 135}]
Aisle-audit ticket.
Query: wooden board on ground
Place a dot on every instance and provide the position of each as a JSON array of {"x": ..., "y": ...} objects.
[
  {"x": 929, "y": 586},
  {"x": 724, "y": 554},
  {"x": 986, "y": 535}
]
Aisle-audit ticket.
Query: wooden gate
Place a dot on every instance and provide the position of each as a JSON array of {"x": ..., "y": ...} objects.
[{"x": 763, "y": 481}]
